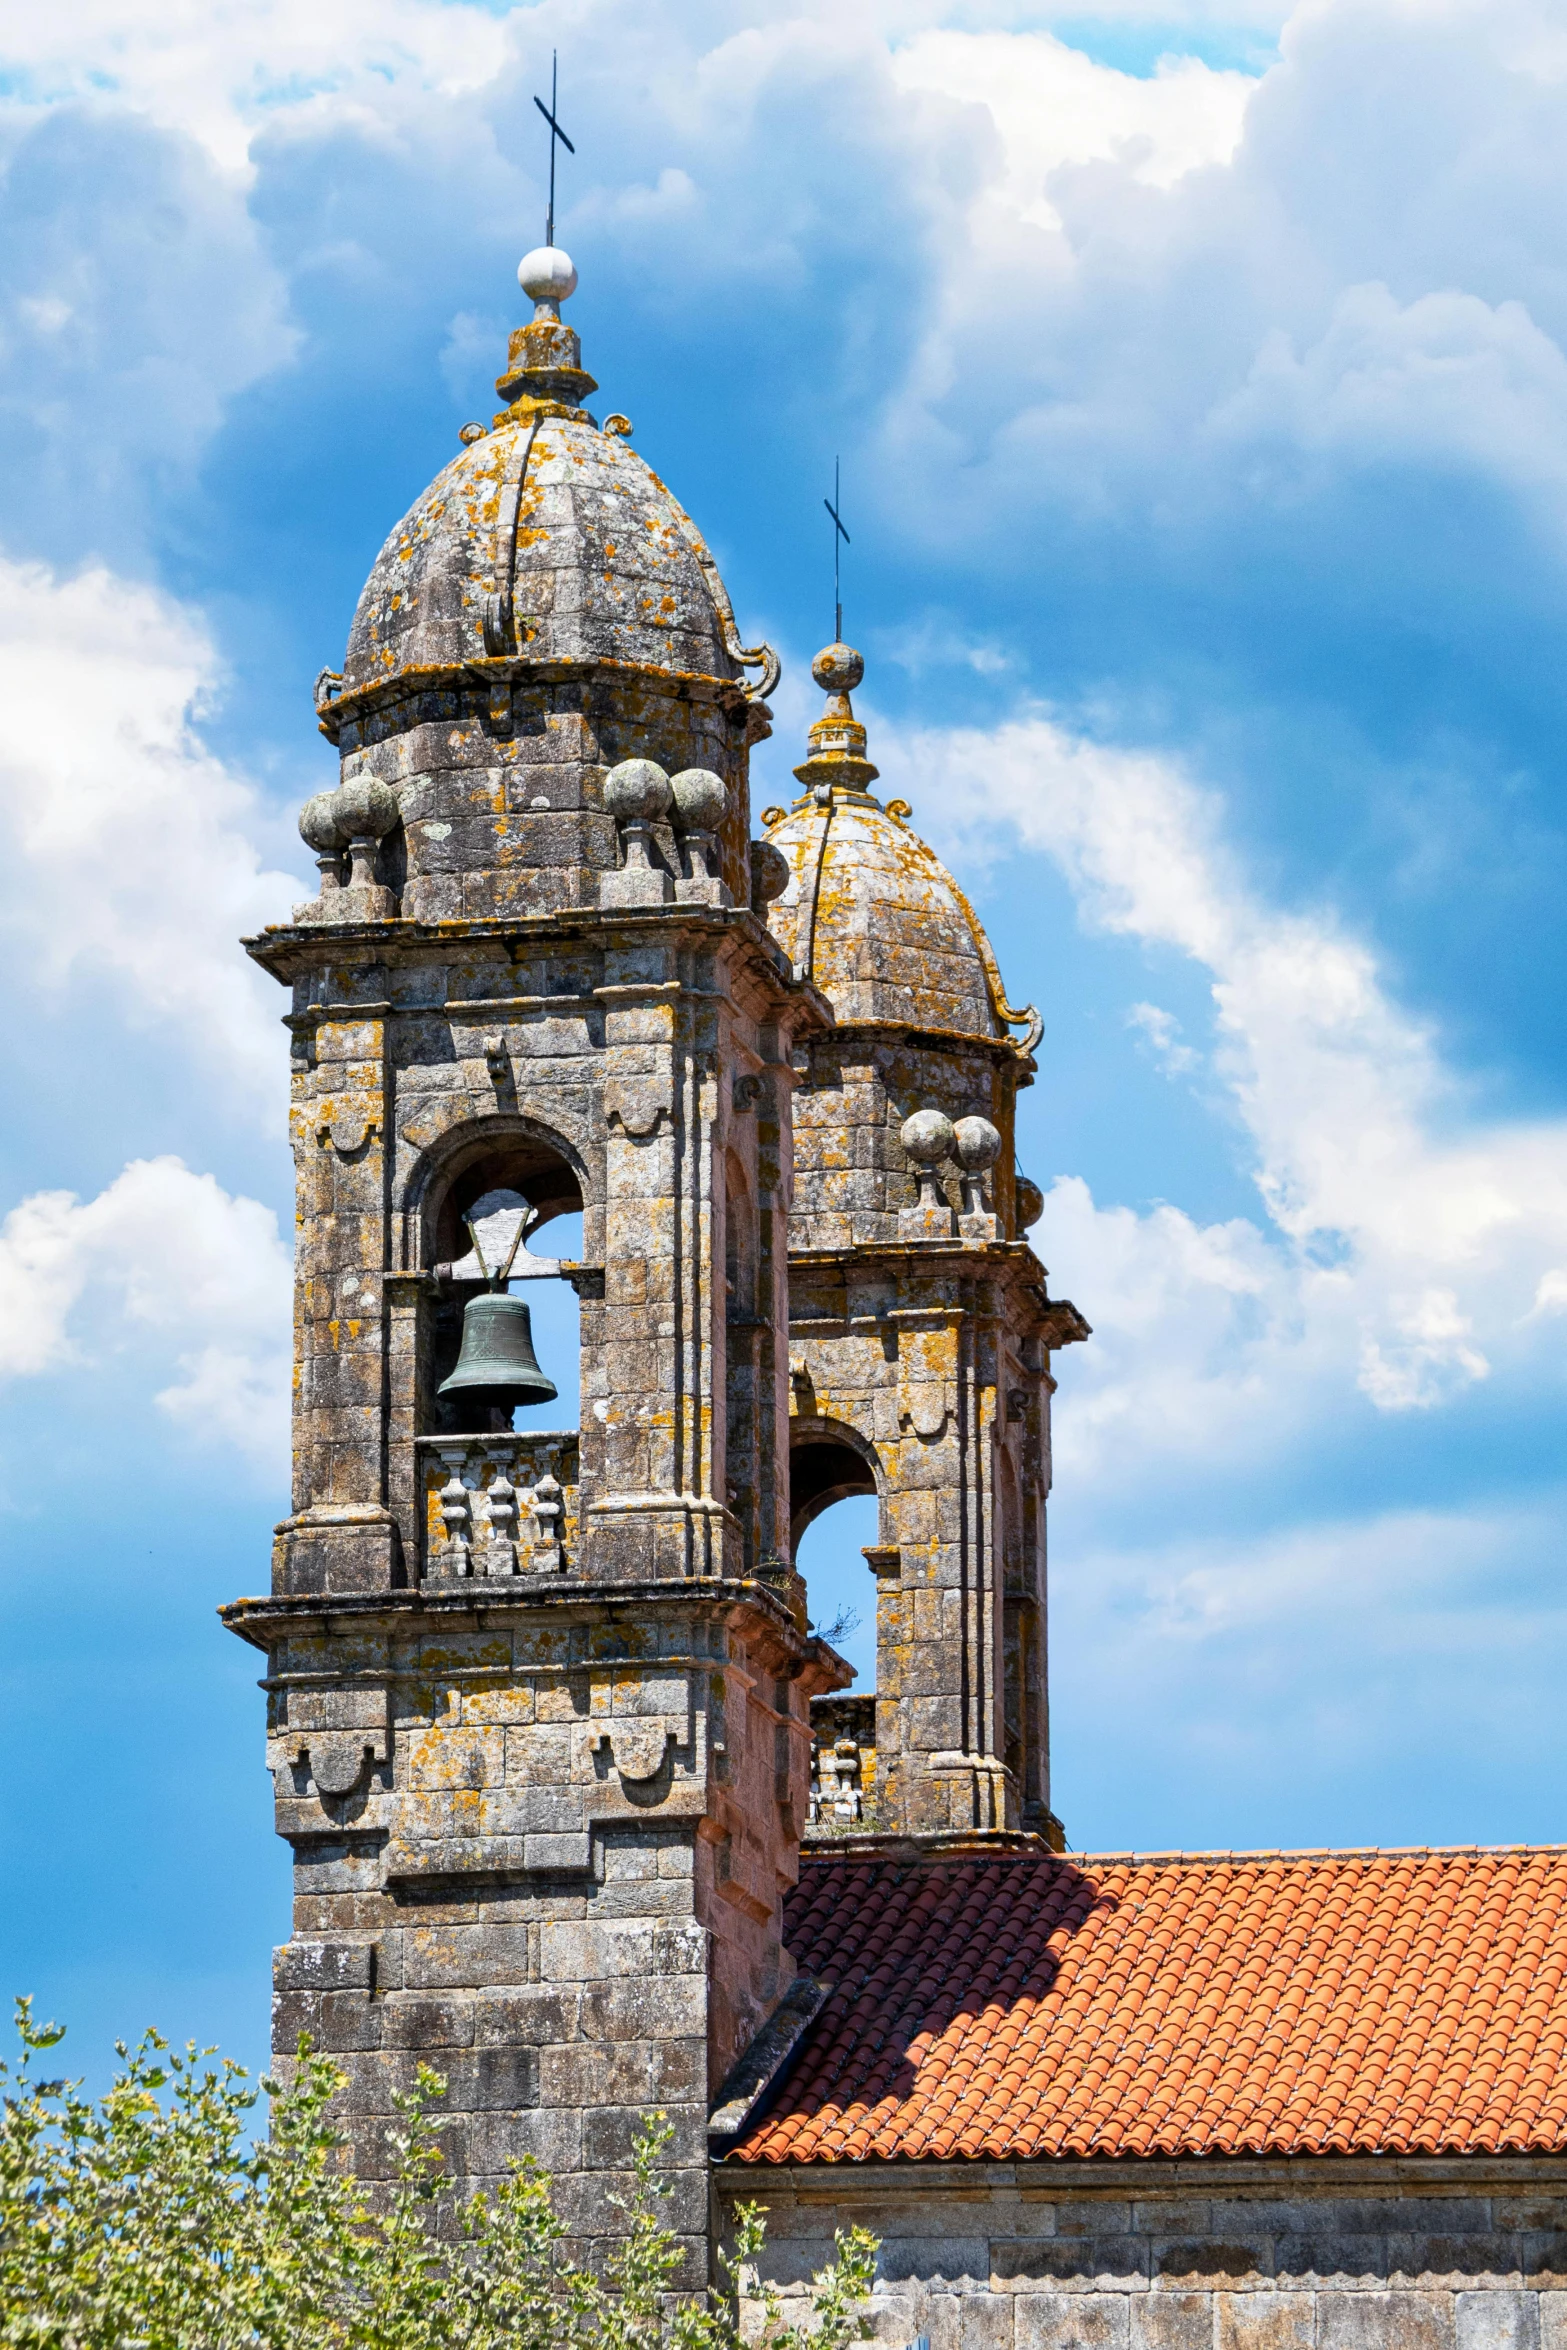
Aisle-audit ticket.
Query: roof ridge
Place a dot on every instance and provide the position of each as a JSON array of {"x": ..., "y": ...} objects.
[
  {"x": 1299, "y": 1852},
  {"x": 1137, "y": 1856}
]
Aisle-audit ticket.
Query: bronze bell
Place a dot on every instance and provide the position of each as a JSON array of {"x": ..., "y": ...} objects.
[{"x": 497, "y": 1364}]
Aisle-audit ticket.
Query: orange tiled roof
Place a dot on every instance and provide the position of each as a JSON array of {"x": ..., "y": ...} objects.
[{"x": 1183, "y": 2004}]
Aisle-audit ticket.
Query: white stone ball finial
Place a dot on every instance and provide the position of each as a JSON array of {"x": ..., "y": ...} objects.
[
  {"x": 977, "y": 1145},
  {"x": 927, "y": 1137},
  {"x": 547, "y": 274},
  {"x": 637, "y": 792}
]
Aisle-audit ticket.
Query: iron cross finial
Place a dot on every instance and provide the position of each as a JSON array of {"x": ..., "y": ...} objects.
[
  {"x": 840, "y": 539},
  {"x": 556, "y": 132}
]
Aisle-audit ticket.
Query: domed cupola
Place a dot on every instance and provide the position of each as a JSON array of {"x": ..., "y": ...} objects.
[
  {"x": 547, "y": 537},
  {"x": 871, "y": 914},
  {"x": 545, "y": 611}
]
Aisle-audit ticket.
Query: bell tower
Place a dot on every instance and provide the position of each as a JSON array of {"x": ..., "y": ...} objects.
[
  {"x": 921, "y": 1326},
  {"x": 539, "y": 1695}
]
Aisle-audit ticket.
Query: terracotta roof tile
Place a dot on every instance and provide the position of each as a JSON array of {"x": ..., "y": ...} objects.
[{"x": 1180, "y": 2004}]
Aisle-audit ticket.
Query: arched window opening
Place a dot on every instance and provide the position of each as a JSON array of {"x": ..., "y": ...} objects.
[
  {"x": 823, "y": 1469},
  {"x": 505, "y": 1329},
  {"x": 840, "y": 1593},
  {"x": 834, "y": 1514},
  {"x": 840, "y": 1589}
]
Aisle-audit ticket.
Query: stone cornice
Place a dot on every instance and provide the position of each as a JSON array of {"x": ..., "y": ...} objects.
[
  {"x": 1055, "y": 1319},
  {"x": 263, "y": 1621},
  {"x": 1146, "y": 2174},
  {"x": 288, "y": 950},
  {"x": 356, "y": 703},
  {"x": 1002, "y": 1050}
]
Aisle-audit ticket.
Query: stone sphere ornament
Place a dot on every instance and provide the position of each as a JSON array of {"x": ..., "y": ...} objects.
[
  {"x": 547, "y": 274},
  {"x": 1030, "y": 1202},
  {"x": 927, "y": 1137},
  {"x": 771, "y": 873},
  {"x": 636, "y": 792},
  {"x": 319, "y": 826},
  {"x": 977, "y": 1145},
  {"x": 366, "y": 809},
  {"x": 700, "y": 799},
  {"x": 838, "y": 669}
]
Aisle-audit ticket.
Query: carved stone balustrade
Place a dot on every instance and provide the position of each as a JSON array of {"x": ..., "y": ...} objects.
[{"x": 499, "y": 1506}]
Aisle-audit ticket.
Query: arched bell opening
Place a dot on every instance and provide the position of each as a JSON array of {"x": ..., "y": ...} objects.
[
  {"x": 504, "y": 1341},
  {"x": 835, "y": 1518}
]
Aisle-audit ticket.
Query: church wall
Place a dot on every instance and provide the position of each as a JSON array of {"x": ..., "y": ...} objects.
[{"x": 1397, "y": 2253}]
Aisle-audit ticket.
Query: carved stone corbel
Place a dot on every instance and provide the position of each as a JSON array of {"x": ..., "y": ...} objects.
[{"x": 638, "y": 1103}]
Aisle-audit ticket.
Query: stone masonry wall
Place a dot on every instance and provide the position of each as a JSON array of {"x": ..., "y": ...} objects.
[
  {"x": 503, "y": 817},
  {"x": 851, "y": 1174},
  {"x": 542, "y": 1846},
  {"x": 1322, "y": 2254}
]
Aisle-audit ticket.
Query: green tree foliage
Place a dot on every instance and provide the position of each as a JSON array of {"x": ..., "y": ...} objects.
[{"x": 155, "y": 2220}]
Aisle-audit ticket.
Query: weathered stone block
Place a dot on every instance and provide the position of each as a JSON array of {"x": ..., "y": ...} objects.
[
  {"x": 1077, "y": 2263},
  {"x": 1385, "y": 2321},
  {"x": 1072, "y": 2321},
  {"x": 468, "y": 1957},
  {"x": 324, "y": 1966},
  {"x": 1553, "y": 2320},
  {"x": 491, "y": 2079},
  {"x": 408, "y": 2021},
  {"x": 1324, "y": 2257},
  {"x": 1171, "y": 2321},
  {"x": 1211, "y": 2262},
  {"x": 1264, "y": 2321},
  {"x": 610, "y": 2133},
  {"x": 1497, "y": 2320},
  {"x": 657, "y": 2010},
  {"x": 488, "y": 2144},
  {"x": 987, "y": 2321},
  {"x": 1458, "y": 2260}
]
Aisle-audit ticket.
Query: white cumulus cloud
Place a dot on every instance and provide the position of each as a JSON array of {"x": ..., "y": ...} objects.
[
  {"x": 168, "y": 1267},
  {"x": 1052, "y": 105},
  {"x": 218, "y": 73},
  {"x": 129, "y": 855},
  {"x": 1403, "y": 1242}
]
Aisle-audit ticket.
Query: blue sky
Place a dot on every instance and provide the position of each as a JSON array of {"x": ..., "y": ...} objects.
[{"x": 1200, "y": 383}]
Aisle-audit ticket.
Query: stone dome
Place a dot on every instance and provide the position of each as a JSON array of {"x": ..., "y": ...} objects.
[
  {"x": 876, "y": 921},
  {"x": 608, "y": 566},
  {"x": 546, "y": 539},
  {"x": 870, "y": 913}
]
